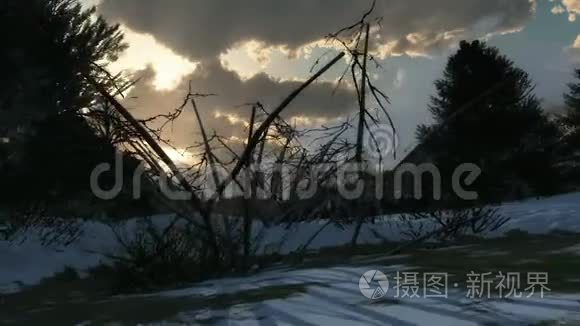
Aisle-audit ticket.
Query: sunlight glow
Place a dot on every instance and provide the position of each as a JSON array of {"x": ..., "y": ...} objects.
[
  {"x": 303, "y": 121},
  {"x": 90, "y": 3},
  {"x": 573, "y": 7},
  {"x": 180, "y": 156},
  {"x": 232, "y": 118},
  {"x": 576, "y": 44},
  {"x": 248, "y": 59},
  {"x": 169, "y": 67}
]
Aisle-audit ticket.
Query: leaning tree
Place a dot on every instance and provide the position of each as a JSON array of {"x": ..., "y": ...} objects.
[{"x": 51, "y": 129}]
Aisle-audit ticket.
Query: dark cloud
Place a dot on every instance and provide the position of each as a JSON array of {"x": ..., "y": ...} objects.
[
  {"x": 320, "y": 100},
  {"x": 203, "y": 29}
]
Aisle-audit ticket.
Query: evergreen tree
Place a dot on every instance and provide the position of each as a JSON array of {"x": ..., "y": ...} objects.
[
  {"x": 48, "y": 47},
  {"x": 485, "y": 113},
  {"x": 50, "y": 148},
  {"x": 571, "y": 119}
]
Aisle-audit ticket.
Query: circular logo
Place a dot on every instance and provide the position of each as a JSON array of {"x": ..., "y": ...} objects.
[
  {"x": 380, "y": 141},
  {"x": 373, "y": 285}
]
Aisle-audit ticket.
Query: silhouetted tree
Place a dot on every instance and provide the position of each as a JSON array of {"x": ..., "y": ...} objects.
[
  {"x": 48, "y": 46},
  {"x": 571, "y": 119},
  {"x": 569, "y": 147},
  {"x": 485, "y": 113},
  {"x": 55, "y": 164}
]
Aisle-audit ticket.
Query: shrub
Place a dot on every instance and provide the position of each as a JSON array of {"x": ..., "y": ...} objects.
[
  {"x": 452, "y": 224},
  {"x": 153, "y": 259}
]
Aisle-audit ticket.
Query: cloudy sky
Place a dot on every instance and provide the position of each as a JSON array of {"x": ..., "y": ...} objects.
[{"x": 252, "y": 50}]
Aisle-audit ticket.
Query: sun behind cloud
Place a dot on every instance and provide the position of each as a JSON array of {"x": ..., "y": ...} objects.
[{"x": 144, "y": 50}]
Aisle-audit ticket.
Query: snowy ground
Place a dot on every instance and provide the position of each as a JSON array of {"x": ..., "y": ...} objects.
[
  {"x": 314, "y": 296},
  {"x": 320, "y": 296},
  {"x": 29, "y": 262},
  {"x": 335, "y": 299}
]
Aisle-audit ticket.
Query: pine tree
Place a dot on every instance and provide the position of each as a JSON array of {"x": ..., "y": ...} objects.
[
  {"x": 571, "y": 119},
  {"x": 485, "y": 113},
  {"x": 573, "y": 98},
  {"x": 48, "y": 47}
]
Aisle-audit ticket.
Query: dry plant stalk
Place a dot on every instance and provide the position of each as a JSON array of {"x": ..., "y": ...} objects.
[{"x": 146, "y": 142}]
